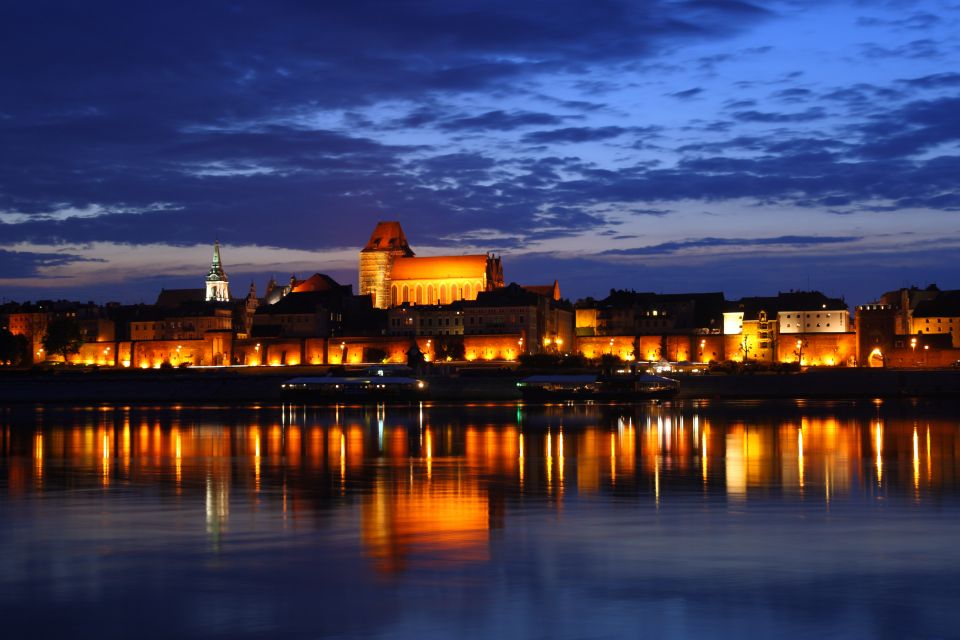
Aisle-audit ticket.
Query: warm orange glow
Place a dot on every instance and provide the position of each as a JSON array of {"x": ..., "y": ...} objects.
[
  {"x": 800, "y": 456},
  {"x": 38, "y": 457},
  {"x": 878, "y": 445},
  {"x": 446, "y": 521}
]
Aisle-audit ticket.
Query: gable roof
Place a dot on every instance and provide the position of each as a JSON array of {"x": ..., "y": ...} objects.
[{"x": 388, "y": 236}]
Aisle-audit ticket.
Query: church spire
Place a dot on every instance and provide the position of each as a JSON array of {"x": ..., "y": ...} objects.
[{"x": 217, "y": 283}]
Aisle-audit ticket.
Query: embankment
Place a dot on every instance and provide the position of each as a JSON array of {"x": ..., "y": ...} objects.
[{"x": 263, "y": 385}]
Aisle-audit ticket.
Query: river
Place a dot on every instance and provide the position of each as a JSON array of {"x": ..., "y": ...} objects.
[{"x": 790, "y": 519}]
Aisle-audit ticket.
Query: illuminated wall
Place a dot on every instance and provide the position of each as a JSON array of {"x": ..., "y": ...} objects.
[
  {"x": 495, "y": 347},
  {"x": 675, "y": 348},
  {"x": 819, "y": 349},
  {"x": 435, "y": 290},
  {"x": 154, "y": 353}
]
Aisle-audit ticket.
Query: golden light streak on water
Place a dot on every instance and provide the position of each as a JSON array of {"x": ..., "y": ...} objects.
[
  {"x": 429, "y": 447},
  {"x": 800, "y": 455},
  {"x": 916, "y": 459},
  {"x": 178, "y": 455},
  {"x": 343, "y": 459},
  {"x": 548, "y": 454},
  {"x": 656, "y": 480},
  {"x": 105, "y": 457},
  {"x": 613, "y": 458},
  {"x": 878, "y": 445},
  {"x": 704, "y": 456},
  {"x": 38, "y": 458},
  {"x": 125, "y": 444},
  {"x": 520, "y": 460},
  {"x": 255, "y": 436},
  {"x": 929, "y": 459},
  {"x": 560, "y": 459}
]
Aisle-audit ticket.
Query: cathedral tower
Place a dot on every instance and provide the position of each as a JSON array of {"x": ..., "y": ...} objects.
[
  {"x": 376, "y": 261},
  {"x": 217, "y": 286}
]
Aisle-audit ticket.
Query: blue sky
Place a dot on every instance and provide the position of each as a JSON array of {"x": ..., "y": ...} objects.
[{"x": 747, "y": 147}]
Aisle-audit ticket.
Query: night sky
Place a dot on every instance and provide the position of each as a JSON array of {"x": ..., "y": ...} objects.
[{"x": 744, "y": 147}]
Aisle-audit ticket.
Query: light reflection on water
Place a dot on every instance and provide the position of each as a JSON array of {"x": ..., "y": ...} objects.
[{"x": 675, "y": 519}]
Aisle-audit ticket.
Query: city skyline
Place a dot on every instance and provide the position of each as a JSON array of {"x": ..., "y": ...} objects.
[{"x": 740, "y": 147}]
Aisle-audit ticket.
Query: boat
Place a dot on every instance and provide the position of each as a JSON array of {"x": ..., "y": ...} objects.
[
  {"x": 373, "y": 388},
  {"x": 610, "y": 388}
]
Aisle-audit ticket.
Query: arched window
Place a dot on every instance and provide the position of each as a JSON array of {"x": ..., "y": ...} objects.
[
  {"x": 406, "y": 294},
  {"x": 430, "y": 298},
  {"x": 443, "y": 293},
  {"x": 454, "y": 294},
  {"x": 419, "y": 299},
  {"x": 393, "y": 296},
  {"x": 467, "y": 292}
]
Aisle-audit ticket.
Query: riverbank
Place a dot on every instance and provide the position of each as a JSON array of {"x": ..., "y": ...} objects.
[{"x": 263, "y": 385}]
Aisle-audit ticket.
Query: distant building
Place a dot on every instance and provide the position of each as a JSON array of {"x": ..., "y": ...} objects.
[
  {"x": 632, "y": 313},
  {"x": 392, "y": 274}
]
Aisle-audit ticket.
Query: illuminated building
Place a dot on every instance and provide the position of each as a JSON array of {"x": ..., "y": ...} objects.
[
  {"x": 392, "y": 274},
  {"x": 629, "y": 313},
  {"x": 805, "y": 327},
  {"x": 217, "y": 287},
  {"x": 426, "y": 320},
  {"x": 941, "y": 315},
  {"x": 913, "y": 328}
]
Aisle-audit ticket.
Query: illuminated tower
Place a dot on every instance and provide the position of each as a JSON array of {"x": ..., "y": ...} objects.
[
  {"x": 376, "y": 261},
  {"x": 217, "y": 287}
]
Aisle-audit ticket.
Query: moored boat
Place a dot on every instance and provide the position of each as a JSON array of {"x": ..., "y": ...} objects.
[
  {"x": 355, "y": 388},
  {"x": 619, "y": 388}
]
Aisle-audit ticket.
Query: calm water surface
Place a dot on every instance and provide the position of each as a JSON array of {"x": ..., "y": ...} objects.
[{"x": 675, "y": 520}]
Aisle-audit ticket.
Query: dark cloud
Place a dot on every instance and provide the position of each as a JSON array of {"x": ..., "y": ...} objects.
[
  {"x": 914, "y": 128},
  {"x": 917, "y": 49},
  {"x": 935, "y": 81},
  {"x": 501, "y": 121},
  {"x": 813, "y": 113},
  {"x": 574, "y": 134},
  {"x": 674, "y": 247},
  {"x": 27, "y": 264},
  {"x": 795, "y": 94},
  {"x": 687, "y": 94},
  {"x": 917, "y": 21}
]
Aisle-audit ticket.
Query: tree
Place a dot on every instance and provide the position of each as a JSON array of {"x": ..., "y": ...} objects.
[
  {"x": 63, "y": 337},
  {"x": 449, "y": 347},
  {"x": 14, "y": 349}
]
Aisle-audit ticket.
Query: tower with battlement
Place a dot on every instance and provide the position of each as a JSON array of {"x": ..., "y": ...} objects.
[{"x": 387, "y": 243}]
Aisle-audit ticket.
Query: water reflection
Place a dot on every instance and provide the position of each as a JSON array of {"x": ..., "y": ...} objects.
[
  {"x": 392, "y": 455},
  {"x": 401, "y": 490}
]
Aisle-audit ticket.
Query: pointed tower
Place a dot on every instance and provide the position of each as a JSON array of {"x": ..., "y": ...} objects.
[
  {"x": 217, "y": 286},
  {"x": 376, "y": 262}
]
